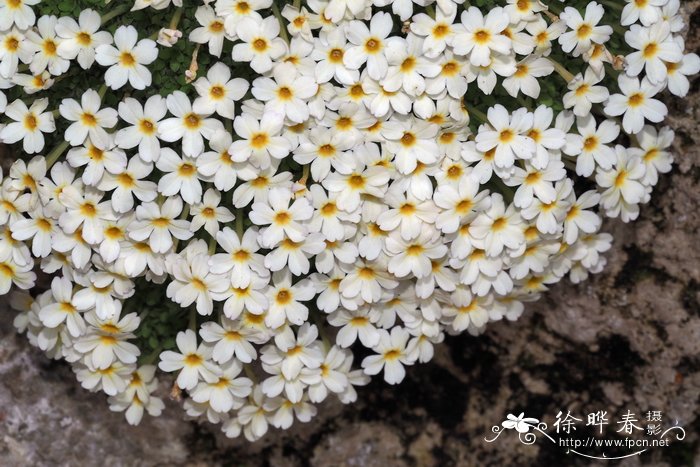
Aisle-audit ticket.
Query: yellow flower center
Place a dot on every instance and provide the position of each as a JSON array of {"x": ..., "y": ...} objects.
[
  {"x": 284, "y": 93},
  {"x": 83, "y": 38},
  {"x": 127, "y": 60},
  {"x": 217, "y": 92},
  {"x": 186, "y": 170},
  {"x": 259, "y": 140},
  {"x": 283, "y": 297},
  {"x": 440, "y": 30},
  {"x": 216, "y": 27},
  {"x": 282, "y": 218},
  {"x": 30, "y": 122},
  {"x": 636, "y": 99},
  {"x": 192, "y": 121},
  {"x": 584, "y": 31},
  {"x": 408, "y": 139},
  {"x": 147, "y": 127},
  {"x": 482, "y": 36},
  {"x": 49, "y": 47},
  {"x": 373, "y": 45},
  {"x": 260, "y": 45},
  {"x": 650, "y": 50}
]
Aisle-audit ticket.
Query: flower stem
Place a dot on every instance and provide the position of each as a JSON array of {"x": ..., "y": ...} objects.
[
  {"x": 116, "y": 12},
  {"x": 553, "y": 6},
  {"x": 283, "y": 27},
  {"x": 563, "y": 72},
  {"x": 53, "y": 156},
  {"x": 239, "y": 223},
  {"x": 478, "y": 114},
  {"x": 248, "y": 369},
  {"x": 613, "y": 5},
  {"x": 193, "y": 319},
  {"x": 175, "y": 20},
  {"x": 151, "y": 357}
]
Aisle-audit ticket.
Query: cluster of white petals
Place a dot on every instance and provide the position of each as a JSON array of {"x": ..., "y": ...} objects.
[{"x": 354, "y": 198}]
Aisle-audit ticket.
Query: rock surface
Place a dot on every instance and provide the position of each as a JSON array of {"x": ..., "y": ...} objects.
[{"x": 628, "y": 339}]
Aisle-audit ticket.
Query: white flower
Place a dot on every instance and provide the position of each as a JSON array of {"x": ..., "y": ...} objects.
[
  {"x": 84, "y": 210},
  {"x": 261, "y": 44},
  {"x": 14, "y": 47},
  {"x": 18, "y": 13},
  {"x": 520, "y": 423},
  {"x": 282, "y": 219},
  {"x": 230, "y": 339},
  {"x": 104, "y": 343},
  {"x": 286, "y": 94},
  {"x": 89, "y": 119},
  {"x": 126, "y": 61},
  {"x": 482, "y": 35},
  {"x": 408, "y": 68},
  {"x": 216, "y": 165},
  {"x": 499, "y": 227},
  {"x": 459, "y": 203},
  {"x": 328, "y": 53},
  {"x": 622, "y": 183},
  {"x": 392, "y": 356},
  {"x": 29, "y": 124},
  {"x": 218, "y": 92},
  {"x": 79, "y": 39},
  {"x": 592, "y": 148},
  {"x": 193, "y": 283},
  {"x": 158, "y": 224},
  {"x": 413, "y": 141},
  {"x": 187, "y": 125},
  {"x": 192, "y": 361},
  {"x": 260, "y": 142},
  {"x": 508, "y": 135},
  {"x": 654, "y": 152},
  {"x": 654, "y": 46},
  {"x": 209, "y": 213},
  {"x": 534, "y": 182},
  {"x": 580, "y": 219},
  {"x": 240, "y": 260},
  {"x": 20, "y": 275},
  {"x": 129, "y": 183},
  {"x": 525, "y": 77},
  {"x": 645, "y": 12},
  {"x": 211, "y": 30},
  {"x": 583, "y": 92},
  {"x": 46, "y": 44},
  {"x": 63, "y": 309},
  {"x": 369, "y": 44},
  {"x": 41, "y": 227},
  {"x": 439, "y": 32},
  {"x": 636, "y": 103},
  {"x": 143, "y": 129},
  {"x": 584, "y": 29},
  {"x": 180, "y": 176},
  {"x": 414, "y": 256},
  {"x": 97, "y": 161},
  {"x": 227, "y": 392},
  {"x": 354, "y": 179},
  {"x": 284, "y": 299},
  {"x": 689, "y": 65}
]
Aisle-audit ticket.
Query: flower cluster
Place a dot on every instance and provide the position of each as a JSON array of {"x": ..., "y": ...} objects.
[{"x": 347, "y": 178}]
